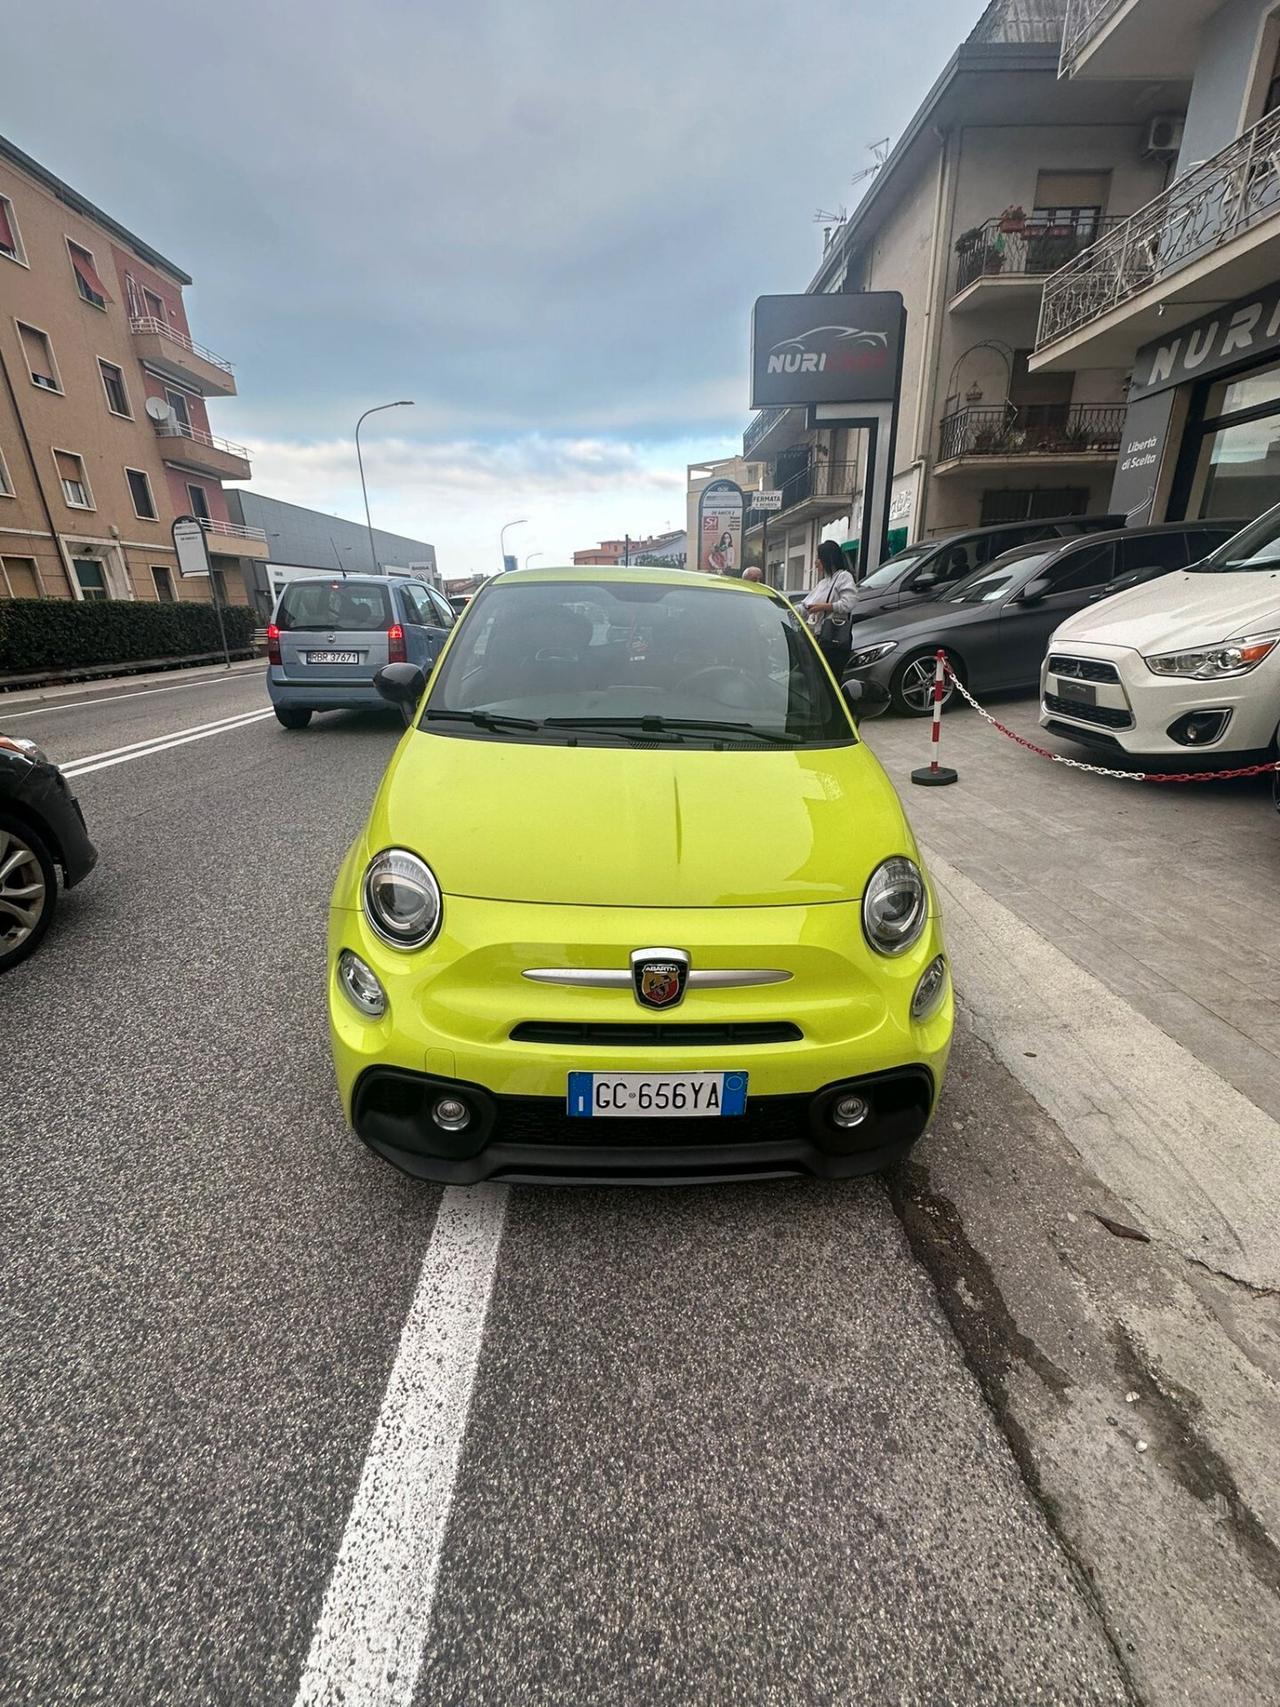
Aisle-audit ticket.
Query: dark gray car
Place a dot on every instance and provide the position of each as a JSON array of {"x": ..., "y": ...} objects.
[
  {"x": 926, "y": 570},
  {"x": 995, "y": 624}
]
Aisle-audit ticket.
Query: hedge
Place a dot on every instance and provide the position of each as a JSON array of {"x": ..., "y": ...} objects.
[{"x": 64, "y": 634}]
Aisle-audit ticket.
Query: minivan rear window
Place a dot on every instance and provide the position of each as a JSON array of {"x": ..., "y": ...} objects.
[{"x": 343, "y": 605}]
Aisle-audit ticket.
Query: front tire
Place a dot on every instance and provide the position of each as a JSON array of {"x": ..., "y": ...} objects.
[
  {"x": 293, "y": 716},
  {"x": 28, "y": 890},
  {"x": 912, "y": 686}
]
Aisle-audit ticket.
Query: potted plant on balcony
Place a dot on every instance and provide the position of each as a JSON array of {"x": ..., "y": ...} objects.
[
  {"x": 969, "y": 239},
  {"x": 1013, "y": 221}
]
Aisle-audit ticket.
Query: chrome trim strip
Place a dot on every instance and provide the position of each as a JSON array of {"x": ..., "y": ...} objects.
[{"x": 605, "y": 978}]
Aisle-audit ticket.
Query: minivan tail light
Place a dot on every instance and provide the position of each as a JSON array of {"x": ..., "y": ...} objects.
[
  {"x": 273, "y": 644},
  {"x": 396, "y": 653}
]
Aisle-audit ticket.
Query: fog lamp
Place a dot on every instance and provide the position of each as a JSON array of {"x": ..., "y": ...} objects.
[
  {"x": 451, "y": 1114},
  {"x": 849, "y": 1111}
]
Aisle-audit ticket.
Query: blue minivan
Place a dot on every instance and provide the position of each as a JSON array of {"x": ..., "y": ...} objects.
[{"x": 329, "y": 636}]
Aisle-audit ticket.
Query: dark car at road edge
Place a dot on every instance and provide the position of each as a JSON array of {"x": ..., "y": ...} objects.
[{"x": 42, "y": 835}]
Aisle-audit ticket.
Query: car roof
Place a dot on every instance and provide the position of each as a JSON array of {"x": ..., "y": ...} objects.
[
  {"x": 351, "y": 580},
  {"x": 1056, "y": 547},
  {"x": 1004, "y": 527},
  {"x": 589, "y": 576}
]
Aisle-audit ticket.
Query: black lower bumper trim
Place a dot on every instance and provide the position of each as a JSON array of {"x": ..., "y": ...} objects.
[{"x": 534, "y": 1140}]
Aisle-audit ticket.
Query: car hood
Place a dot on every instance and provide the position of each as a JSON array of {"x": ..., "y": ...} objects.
[
  {"x": 918, "y": 620},
  {"x": 1180, "y": 610},
  {"x": 649, "y": 827}
]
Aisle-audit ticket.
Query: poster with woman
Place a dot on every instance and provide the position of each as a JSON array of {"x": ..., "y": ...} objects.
[{"x": 721, "y": 509}]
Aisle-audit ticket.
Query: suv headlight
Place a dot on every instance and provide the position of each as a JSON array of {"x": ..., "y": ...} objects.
[
  {"x": 402, "y": 898},
  {"x": 28, "y": 749},
  {"x": 1232, "y": 658},
  {"x": 895, "y": 907},
  {"x": 859, "y": 659}
]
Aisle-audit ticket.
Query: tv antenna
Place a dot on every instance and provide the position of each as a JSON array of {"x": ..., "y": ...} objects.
[
  {"x": 823, "y": 217},
  {"x": 881, "y": 152}
]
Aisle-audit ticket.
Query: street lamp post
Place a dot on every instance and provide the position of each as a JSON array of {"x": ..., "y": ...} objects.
[
  {"x": 529, "y": 559},
  {"x": 402, "y": 403},
  {"x": 502, "y": 537}
]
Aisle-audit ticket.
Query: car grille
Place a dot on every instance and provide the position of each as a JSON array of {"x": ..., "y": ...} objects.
[
  {"x": 1084, "y": 669},
  {"x": 663, "y": 1035},
  {"x": 1106, "y": 716},
  {"x": 1098, "y": 740}
]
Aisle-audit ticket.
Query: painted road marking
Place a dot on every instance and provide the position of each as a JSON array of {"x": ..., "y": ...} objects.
[
  {"x": 162, "y": 743},
  {"x": 135, "y": 693},
  {"x": 368, "y": 1643}
]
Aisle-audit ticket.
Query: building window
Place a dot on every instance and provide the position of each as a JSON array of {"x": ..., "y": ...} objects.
[
  {"x": 19, "y": 578},
  {"x": 144, "y": 505},
  {"x": 6, "y": 484},
  {"x": 88, "y": 283},
  {"x": 163, "y": 578},
  {"x": 10, "y": 237},
  {"x": 91, "y": 578},
  {"x": 153, "y": 307},
  {"x": 75, "y": 481},
  {"x": 1236, "y": 451},
  {"x": 178, "y": 403},
  {"x": 199, "y": 502},
  {"x": 219, "y": 585},
  {"x": 113, "y": 385},
  {"x": 39, "y": 353},
  {"x": 1030, "y": 504}
]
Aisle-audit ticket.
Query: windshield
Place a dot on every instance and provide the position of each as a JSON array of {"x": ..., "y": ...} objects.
[
  {"x": 1257, "y": 549},
  {"x": 349, "y": 605},
  {"x": 999, "y": 578},
  {"x": 888, "y": 574},
  {"x": 627, "y": 660}
]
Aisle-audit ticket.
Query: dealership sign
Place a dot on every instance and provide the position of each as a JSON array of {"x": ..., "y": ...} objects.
[
  {"x": 1236, "y": 334},
  {"x": 720, "y": 513},
  {"x": 826, "y": 349}
]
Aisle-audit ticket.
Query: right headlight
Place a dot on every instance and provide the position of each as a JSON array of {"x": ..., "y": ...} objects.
[
  {"x": 1210, "y": 663},
  {"x": 402, "y": 898},
  {"x": 895, "y": 906},
  {"x": 859, "y": 659}
]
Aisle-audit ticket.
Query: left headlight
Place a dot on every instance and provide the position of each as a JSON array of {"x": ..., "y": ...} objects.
[
  {"x": 1210, "y": 663},
  {"x": 859, "y": 659},
  {"x": 28, "y": 749},
  {"x": 895, "y": 907},
  {"x": 402, "y": 898}
]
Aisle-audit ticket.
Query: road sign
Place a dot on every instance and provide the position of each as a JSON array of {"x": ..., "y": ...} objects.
[
  {"x": 766, "y": 500},
  {"x": 192, "y": 547}
]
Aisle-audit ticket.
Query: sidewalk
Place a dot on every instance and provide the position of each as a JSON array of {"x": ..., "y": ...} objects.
[{"x": 108, "y": 684}]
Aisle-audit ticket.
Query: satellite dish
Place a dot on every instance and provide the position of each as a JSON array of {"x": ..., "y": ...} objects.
[{"x": 159, "y": 409}]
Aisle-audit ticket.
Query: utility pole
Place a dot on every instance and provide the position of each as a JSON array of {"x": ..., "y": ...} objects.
[{"x": 402, "y": 403}]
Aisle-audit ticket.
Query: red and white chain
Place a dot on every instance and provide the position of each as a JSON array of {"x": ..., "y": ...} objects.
[{"x": 1102, "y": 770}]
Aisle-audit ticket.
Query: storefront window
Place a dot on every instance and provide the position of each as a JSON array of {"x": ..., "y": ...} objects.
[{"x": 1238, "y": 468}]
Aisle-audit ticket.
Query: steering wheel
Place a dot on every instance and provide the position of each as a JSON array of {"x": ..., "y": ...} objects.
[{"x": 722, "y": 683}]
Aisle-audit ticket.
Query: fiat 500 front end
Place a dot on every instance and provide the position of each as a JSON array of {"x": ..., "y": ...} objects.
[{"x": 533, "y": 1041}]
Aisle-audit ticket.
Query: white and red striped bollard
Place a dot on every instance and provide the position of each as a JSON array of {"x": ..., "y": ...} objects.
[{"x": 935, "y": 775}]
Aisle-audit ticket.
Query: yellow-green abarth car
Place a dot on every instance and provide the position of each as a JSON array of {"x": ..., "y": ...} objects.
[{"x": 635, "y": 902}]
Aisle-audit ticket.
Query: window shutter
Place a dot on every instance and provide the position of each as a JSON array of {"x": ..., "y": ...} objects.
[{"x": 84, "y": 267}]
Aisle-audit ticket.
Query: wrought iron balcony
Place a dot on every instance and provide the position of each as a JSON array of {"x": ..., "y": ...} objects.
[
  {"x": 766, "y": 419},
  {"x": 1085, "y": 20},
  {"x": 1207, "y": 208},
  {"x": 1036, "y": 429},
  {"x": 1030, "y": 248},
  {"x": 827, "y": 482}
]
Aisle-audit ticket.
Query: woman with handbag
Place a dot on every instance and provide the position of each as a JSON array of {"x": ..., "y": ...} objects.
[{"x": 829, "y": 607}]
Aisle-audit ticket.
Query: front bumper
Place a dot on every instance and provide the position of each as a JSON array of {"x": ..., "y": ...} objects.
[
  {"x": 47, "y": 797},
  {"x": 1133, "y": 710},
  {"x": 453, "y": 1009}
]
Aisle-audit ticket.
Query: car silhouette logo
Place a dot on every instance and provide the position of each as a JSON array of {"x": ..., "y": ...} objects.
[{"x": 659, "y": 976}]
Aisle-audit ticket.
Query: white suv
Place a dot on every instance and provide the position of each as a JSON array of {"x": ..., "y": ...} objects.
[{"x": 1180, "y": 664}]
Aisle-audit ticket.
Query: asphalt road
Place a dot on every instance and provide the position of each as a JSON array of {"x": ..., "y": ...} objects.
[{"x": 722, "y": 1445}]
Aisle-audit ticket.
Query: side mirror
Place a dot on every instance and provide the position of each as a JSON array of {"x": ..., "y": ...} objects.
[
  {"x": 402, "y": 685},
  {"x": 926, "y": 583},
  {"x": 1035, "y": 592},
  {"x": 865, "y": 699}
]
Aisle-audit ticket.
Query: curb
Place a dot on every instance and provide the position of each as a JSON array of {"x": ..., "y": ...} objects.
[{"x": 67, "y": 690}]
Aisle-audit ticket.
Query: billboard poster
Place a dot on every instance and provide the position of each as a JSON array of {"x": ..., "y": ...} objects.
[{"x": 721, "y": 509}]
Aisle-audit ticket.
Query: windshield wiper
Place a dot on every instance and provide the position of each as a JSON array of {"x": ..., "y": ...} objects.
[
  {"x": 674, "y": 726},
  {"x": 491, "y": 720}
]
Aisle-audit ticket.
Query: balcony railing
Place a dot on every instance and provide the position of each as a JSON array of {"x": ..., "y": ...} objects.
[
  {"x": 766, "y": 419},
  {"x": 198, "y": 436},
  {"x": 832, "y": 480},
  {"x": 1206, "y": 208},
  {"x": 146, "y": 323},
  {"x": 1035, "y": 429},
  {"x": 1032, "y": 249},
  {"x": 1085, "y": 20},
  {"x": 233, "y": 530}
]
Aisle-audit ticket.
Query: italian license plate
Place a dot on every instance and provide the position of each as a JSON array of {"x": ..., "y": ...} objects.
[
  {"x": 1084, "y": 692},
  {"x": 657, "y": 1096},
  {"x": 333, "y": 657}
]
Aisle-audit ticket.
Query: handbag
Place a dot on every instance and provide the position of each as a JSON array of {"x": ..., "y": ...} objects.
[{"x": 834, "y": 628}]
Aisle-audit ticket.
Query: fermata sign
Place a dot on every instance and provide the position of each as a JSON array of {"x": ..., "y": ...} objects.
[
  {"x": 720, "y": 512},
  {"x": 826, "y": 349}
]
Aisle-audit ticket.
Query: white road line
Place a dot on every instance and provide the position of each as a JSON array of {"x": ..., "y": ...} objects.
[
  {"x": 162, "y": 744},
  {"x": 168, "y": 735},
  {"x": 111, "y": 698},
  {"x": 369, "y": 1640}
]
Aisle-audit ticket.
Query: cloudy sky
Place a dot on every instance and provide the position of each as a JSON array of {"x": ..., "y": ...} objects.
[{"x": 543, "y": 220}]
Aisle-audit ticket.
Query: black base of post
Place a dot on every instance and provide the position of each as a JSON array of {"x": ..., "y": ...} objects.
[{"x": 930, "y": 778}]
